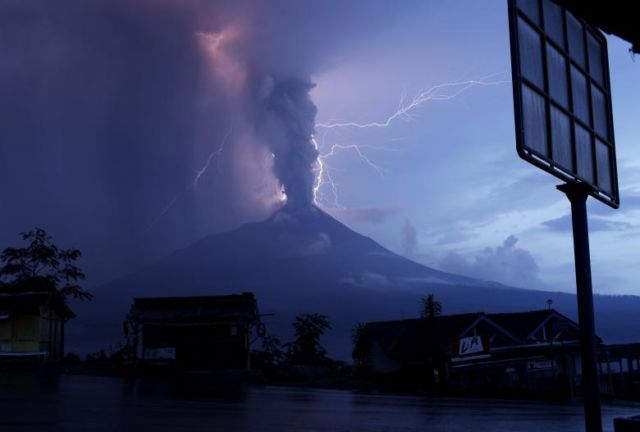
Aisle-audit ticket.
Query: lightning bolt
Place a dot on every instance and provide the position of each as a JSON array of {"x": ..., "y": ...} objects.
[
  {"x": 405, "y": 111},
  {"x": 194, "y": 183}
]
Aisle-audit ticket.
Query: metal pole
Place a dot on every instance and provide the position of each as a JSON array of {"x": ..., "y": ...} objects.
[{"x": 578, "y": 194}]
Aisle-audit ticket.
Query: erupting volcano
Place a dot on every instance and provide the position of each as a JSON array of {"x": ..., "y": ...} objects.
[{"x": 302, "y": 260}]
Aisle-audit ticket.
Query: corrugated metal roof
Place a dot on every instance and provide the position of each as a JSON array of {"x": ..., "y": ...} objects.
[{"x": 240, "y": 307}]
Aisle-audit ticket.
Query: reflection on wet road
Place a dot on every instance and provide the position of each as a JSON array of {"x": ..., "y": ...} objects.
[{"x": 87, "y": 403}]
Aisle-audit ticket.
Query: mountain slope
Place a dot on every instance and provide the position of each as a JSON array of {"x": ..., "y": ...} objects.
[{"x": 306, "y": 261}]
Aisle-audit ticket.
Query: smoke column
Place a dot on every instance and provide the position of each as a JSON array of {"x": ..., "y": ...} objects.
[
  {"x": 287, "y": 120},
  {"x": 264, "y": 54},
  {"x": 112, "y": 107}
]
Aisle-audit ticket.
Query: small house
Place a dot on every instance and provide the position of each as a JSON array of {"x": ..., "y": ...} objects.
[
  {"x": 525, "y": 351},
  {"x": 206, "y": 332},
  {"x": 32, "y": 324}
]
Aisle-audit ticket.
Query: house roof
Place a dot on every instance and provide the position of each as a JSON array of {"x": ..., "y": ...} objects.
[
  {"x": 30, "y": 301},
  {"x": 413, "y": 339},
  {"x": 27, "y": 295},
  {"x": 447, "y": 326},
  {"x": 193, "y": 310},
  {"x": 400, "y": 339},
  {"x": 525, "y": 324},
  {"x": 521, "y": 324}
]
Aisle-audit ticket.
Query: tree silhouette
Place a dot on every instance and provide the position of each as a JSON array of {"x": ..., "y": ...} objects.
[
  {"x": 430, "y": 310},
  {"x": 42, "y": 264},
  {"x": 430, "y": 307},
  {"x": 272, "y": 350},
  {"x": 361, "y": 347},
  {"x": 306, "y": 348}
]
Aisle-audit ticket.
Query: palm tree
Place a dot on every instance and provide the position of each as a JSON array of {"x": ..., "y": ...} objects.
[
  {"x": 361, "y": 347},
  {"x": 429, "y": 307},
  {"x": 306, "y": 347},
  {"x": 430, "y": 310}
]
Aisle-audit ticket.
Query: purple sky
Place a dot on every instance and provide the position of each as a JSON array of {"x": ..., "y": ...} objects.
[
  {"x": 112, "y": 109},
  {"x": 452, "y": 174}
]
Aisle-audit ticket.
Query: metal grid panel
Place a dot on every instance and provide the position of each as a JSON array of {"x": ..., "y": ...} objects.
[{"x": 562, "y": 96}]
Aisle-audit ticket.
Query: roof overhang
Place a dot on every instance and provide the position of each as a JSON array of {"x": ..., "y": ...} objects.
[{"x": 615, "y": 17}]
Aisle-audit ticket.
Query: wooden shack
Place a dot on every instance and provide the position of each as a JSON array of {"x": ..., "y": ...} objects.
[
  {"x": 206, "y": 332},
  {"x": 32, "y": 325}
]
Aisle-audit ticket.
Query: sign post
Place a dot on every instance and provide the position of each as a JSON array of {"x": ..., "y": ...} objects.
[
  {"x": 564, "y": 125},
  {"x": 578, "y": 194}
]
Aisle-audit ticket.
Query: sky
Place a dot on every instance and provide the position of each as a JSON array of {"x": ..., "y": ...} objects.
[
  {"x": 452, "y": 193},
  {"x": 131, "y": 129}
]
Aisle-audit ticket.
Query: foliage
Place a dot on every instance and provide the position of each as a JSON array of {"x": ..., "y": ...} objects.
[
  {"x": 272, "y": 350},
  {"x": 306, "y": 348},
  {"x": 41, "y": 262},
  {"x": 122, "y": 354},
  {"x": 361, "y": 347},
  {"x": 98, "y": 356},
  {"x": 72, "y": 358},
  {"x": 429, "y": 307},
  {"x": 117, "y": 355}
]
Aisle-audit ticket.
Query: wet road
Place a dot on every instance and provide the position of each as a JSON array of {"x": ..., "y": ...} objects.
[{"x": 86, "y": 403}]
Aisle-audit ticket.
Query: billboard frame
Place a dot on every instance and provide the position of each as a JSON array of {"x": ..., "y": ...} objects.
[{"x": 542, "y": 161}]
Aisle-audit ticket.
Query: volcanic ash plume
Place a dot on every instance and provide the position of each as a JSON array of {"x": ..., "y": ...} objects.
[
  {"x": 286, "y": 118},
  {"x": 269, "y": 97},
  {"x": 159, "y": 121},
  {"x": 263, "y": 55}
]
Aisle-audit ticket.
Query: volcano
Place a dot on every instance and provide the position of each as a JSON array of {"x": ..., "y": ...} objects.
[{"x": 305, "y": 261}]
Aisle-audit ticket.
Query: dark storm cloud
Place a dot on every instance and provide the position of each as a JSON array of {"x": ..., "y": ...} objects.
[
  {"x": 281, "y": 45},
  {"x": 97, "y": 107},
  {"x": 507, "y": 264},
  {"x": 111, "y": 108}
]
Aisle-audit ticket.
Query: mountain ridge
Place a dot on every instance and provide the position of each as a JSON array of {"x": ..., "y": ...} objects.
[{"x": 303, "y": 260}]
